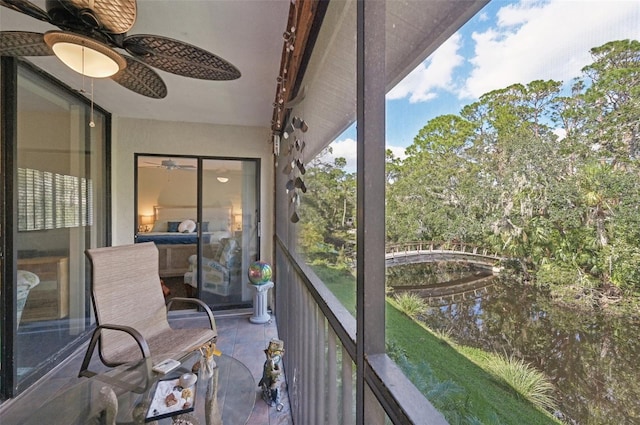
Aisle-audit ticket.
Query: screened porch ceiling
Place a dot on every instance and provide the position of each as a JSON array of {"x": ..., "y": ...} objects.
[{"x": 249, "y": 34}]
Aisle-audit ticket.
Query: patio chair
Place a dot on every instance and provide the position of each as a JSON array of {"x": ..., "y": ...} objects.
[
  {"x": 220, "y": 272},
  {"x": 130, "y": 310}
]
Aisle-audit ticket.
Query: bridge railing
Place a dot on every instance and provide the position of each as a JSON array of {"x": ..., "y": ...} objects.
[{"x": 404, "y": 247}]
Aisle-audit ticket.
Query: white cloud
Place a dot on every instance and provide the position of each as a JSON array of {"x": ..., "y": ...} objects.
[
  {"x": 560, "y": 132},
  {"x": 398, "y": 151},
  {"x": 434, "y": 73},
  {"x": 550, "y": 40},
  {"x": 531, "y": 40},
  {"x": 347, "y": 148}
]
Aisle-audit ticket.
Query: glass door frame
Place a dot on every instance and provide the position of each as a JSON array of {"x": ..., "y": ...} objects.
[{"x": 8, "y": 232}]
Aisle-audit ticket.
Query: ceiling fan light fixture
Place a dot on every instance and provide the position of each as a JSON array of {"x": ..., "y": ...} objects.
[
  {"x": 222, "y": 179},
  {"x": 85, "y": 55}
]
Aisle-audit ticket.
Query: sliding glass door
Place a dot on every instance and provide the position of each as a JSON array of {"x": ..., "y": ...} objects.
[
  {"x": 55, "y": 203},
  {"x": 202, "y": 214},
  {"x": 229, "y": 212}
]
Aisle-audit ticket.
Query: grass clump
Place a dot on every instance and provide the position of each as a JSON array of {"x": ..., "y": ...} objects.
[
  {"x": 411, "y": 304},
  {"x": 528, "y": 382}
]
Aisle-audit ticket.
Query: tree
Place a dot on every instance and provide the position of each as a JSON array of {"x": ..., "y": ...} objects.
[
  {"x": 613, "y": 96},
  {"x": 328, "y": 210},
  {"x": 547, "y": 178},
  {"x": 428, "y": 191}
]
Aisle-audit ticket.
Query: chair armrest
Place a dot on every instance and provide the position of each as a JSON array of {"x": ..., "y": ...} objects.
[
  {"x": 200, "y": 303},
  {"x": 213, "y": 264},
  {"x": 136, "y": 335}
]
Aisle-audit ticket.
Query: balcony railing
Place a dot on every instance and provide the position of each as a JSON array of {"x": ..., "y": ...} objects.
[{"x": 320, "y": 335}]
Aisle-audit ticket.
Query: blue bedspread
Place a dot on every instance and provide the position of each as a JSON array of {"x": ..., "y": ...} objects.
[{"x": 172, "y": 238}]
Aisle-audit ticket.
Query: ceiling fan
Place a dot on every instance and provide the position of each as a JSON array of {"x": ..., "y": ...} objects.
[
  {"x": 170, "y": 164},
  {"x": 92, "y": 30}
]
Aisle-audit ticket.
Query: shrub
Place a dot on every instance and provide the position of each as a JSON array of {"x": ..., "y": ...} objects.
[
  {"x": 411, "y": 304},
  {"x": 524, "y": 379}
]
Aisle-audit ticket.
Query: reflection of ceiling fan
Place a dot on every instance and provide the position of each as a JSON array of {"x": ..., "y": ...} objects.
[
  {"x": 170, "y": 164},
  {"x": 91, "y": 32}
]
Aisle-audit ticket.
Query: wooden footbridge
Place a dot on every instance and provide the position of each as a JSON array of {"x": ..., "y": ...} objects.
[{"x": 431, "y": 252}]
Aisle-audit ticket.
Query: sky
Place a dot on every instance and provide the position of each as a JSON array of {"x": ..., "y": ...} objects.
[{"x": 507, "y": 42}]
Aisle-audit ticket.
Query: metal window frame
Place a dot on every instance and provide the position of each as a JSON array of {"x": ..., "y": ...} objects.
[{"x": 8, "y": 295}]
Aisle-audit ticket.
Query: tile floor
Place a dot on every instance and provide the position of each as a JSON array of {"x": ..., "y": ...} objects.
[{"x": 238, "y": 338}]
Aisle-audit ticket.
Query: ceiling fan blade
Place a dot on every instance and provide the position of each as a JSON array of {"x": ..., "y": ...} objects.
[
  {"x": 26, "y": 7},
  {"x": 141, "y": 79},
  {"x": 115, "y": 16},
  {"x": 23, "y": 43},
  {"x": 179, "y": 58}
]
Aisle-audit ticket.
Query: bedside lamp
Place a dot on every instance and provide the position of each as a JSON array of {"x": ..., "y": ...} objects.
[
  {"x": 145, "y": 223},
  {"x": 237, "y": 222}
]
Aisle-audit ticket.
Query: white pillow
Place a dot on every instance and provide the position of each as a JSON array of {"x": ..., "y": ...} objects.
[{"x": 187, "y": 226}]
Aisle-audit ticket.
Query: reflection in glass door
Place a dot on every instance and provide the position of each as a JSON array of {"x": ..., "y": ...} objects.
[
  {"x": 230, "y": 231},
  {"x": 222, "y": 226},
  {"x": 60, "y": 198},
  {"x": 166, "y": 215}
]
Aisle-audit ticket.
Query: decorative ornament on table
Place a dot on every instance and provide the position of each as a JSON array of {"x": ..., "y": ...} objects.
[
  {"x": 272, "y": 378},
  {"x": 187, "y": 380},
  {"x": 207, "y": 363}
]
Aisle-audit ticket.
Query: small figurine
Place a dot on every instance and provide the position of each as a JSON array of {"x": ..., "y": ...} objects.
[
  {"x": 272, "y": 374},
  {"x": 207, "y": 363}
]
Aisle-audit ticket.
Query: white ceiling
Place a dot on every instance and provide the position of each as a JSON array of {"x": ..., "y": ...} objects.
[{"x": 246, "y": 33}]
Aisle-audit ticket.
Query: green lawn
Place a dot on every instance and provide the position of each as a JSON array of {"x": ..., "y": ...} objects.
[{"x": 460, "y": 389}]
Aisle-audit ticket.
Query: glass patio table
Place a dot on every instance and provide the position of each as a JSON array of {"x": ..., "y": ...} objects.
[{"x": 226, "y": 397}]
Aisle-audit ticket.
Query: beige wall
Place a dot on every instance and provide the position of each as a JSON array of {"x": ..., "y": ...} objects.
[
  {"x": 178, "y": 188},
  {"x": 168, "y": 188},
  {"x": 131, "y": 136}
]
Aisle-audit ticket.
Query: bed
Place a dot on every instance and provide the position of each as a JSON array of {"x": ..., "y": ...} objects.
[{"x": 175, "y": 234}]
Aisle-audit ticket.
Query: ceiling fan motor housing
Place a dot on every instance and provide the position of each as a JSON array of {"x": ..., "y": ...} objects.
[
  {"x": 62, "y": 17},
  {"x": 111, "y": 16}
]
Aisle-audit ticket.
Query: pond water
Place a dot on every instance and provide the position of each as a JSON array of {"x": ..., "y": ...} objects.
[{"x": 591, "y": 358}]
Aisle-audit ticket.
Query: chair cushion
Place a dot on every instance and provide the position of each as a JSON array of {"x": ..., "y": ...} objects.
[{"x": 170, "y": 343}]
